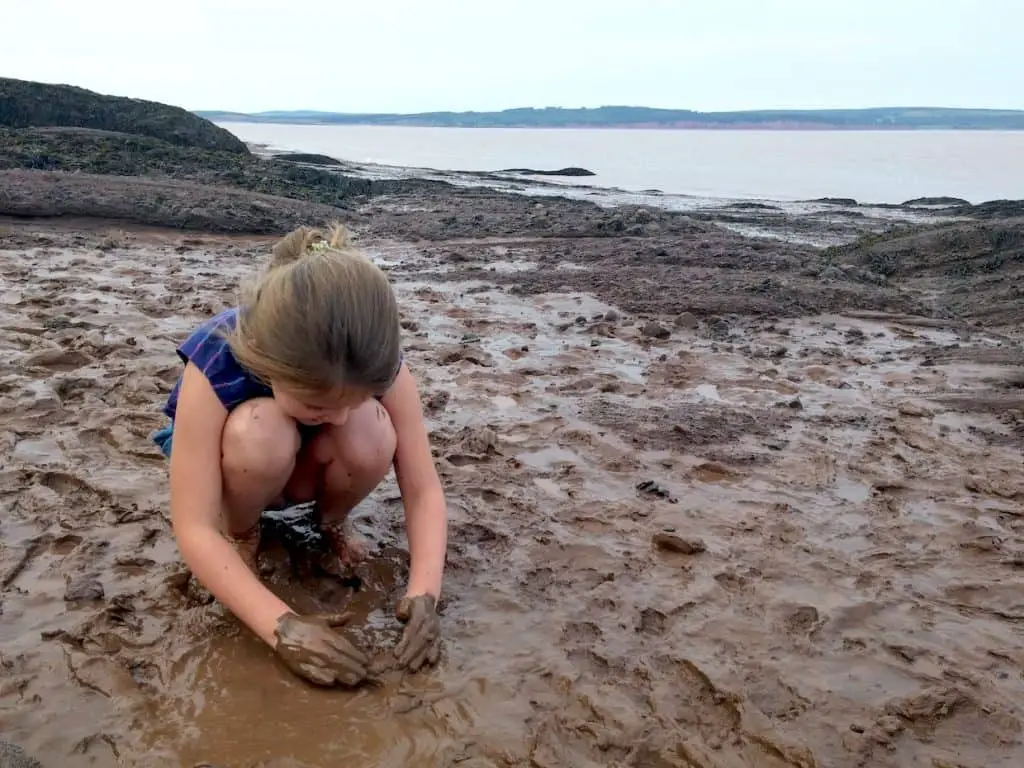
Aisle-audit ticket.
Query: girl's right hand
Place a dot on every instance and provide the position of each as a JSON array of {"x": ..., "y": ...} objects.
[{"x": 311, "y": 649}]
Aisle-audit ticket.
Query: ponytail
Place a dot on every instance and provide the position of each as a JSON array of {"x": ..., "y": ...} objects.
[{"x": 305, "y": 240}]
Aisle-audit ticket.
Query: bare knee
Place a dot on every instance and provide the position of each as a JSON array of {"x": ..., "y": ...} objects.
[
  {"x": 365, "y": 444},
  {"x": 260, "y": 441}
]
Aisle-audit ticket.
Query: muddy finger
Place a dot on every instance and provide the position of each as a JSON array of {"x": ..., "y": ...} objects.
[
  {"x": 435, "y": 654},
  {"x": 335, "y": 620},
  {"x": 316, "y": 673},
  {"x": 421, "y": 658},
  {"x": 346, "y": 650}
]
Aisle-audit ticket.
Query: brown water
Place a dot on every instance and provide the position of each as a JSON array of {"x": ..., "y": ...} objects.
[
  {"x": 871, "y": 166},
  {"x": 853, "y": 597}
]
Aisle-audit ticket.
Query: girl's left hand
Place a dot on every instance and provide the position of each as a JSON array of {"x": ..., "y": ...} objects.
[{"x": 421, "y": 640}]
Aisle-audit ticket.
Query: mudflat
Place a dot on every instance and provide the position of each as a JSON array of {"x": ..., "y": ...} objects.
[{"x": 715, "y": 500}]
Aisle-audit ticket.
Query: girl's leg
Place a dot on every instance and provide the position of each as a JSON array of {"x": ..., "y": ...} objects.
[
  {"x": 258, "y": 455},
  {"x": 340, "y": 467}
]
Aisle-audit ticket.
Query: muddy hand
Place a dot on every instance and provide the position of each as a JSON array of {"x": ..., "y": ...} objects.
[
  {"x": 311, "y": 649},
  {"x": 421, "y": 640}
]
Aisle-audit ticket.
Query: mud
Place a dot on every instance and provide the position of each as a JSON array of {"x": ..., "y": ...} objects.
[{"x": 786, "y": 529}]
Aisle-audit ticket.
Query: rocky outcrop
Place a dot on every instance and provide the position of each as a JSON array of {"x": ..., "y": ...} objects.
[
  {"x": 163, "y": 203},
  {"x": 103, "y": 152},
  {"x": 26, "y": 104},
  {"x": 571, "y": 171},
  {"x": 308, "y": 159}
]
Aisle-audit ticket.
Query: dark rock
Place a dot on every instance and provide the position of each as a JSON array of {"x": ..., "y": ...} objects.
[
  {"x": 753, "y": 207},
  {"x": 671, "y": 542},
  {"x": 611, "y": 315},
  {"x": 835, "y": 200},
  {"x": 719, "y": 329},
  {"x": 438, "y": 400},
  {"x": 947, "y": 201},
  {"x": 571, "y": 171},
  {"x": 651, "y": 488},
  {"x": 686, "y": 320},
  {"x": 83, "y": 589},
  {"x": 300, "y": 157},
  {"x": 655, "y": 330}
]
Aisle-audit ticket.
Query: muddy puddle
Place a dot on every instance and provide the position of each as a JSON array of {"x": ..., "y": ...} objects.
[{"x": 747, "y": 543}]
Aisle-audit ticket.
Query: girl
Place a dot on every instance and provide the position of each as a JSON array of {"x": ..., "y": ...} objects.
[{"x": 300, "y": 394}]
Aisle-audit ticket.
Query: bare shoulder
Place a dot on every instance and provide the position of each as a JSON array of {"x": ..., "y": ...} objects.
[
  {"x": 402, "y": 400},
  {"x": 196, "y": 453}
]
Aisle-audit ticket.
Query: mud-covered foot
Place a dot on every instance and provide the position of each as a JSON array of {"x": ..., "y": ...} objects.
[
  {"x": 350, "y": 547},
  {"x": 247, "y": 544}
]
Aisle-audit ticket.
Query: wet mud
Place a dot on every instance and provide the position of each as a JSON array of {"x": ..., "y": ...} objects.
[{"x": 693, "y": 523}]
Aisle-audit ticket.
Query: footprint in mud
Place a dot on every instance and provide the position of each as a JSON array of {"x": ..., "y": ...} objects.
[
  {"x": 801, "y": 620},
  {"x": 713, "y": 472},
  {"x": 581, "y": 632},
  {"x": 56, "y": 360},
  {"x": 74, "y": 489},
  {"x": 71, "y": 390},
  {"x": 66, "y": 544}
]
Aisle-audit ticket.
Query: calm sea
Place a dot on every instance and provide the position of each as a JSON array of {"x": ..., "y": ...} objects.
[{"x": 871, "y": 166}]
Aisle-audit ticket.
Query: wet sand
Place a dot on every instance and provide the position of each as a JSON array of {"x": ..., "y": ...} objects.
[{"x": 766, "y": 533}]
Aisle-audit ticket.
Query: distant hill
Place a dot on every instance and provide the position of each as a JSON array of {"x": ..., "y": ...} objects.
[
  {"x": 882, "y": 118},
  {"x": 25, "y": 104}
]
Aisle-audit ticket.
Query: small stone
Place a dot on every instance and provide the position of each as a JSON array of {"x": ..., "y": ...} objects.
[
  {"x": 611, "y": 315},
  {"x": 686, "y": 320},
  {"x": 84, "y": 589},
  {"x": 890, "y": 724},
  {"x": 438, "y": 400},
  {"x": 595, "y": 342},
  {"x": 655, "y": 330},
  {"x": 671, "y": 542},
  {"x": 795, "y": 404},
  {"x": 652, "y": 488},
  {"x": 913, "y": 409}
]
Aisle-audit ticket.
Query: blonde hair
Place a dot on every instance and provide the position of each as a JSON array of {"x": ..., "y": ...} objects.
[{"x": 321, "y": 317}]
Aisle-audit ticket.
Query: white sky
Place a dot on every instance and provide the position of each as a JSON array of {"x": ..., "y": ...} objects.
[{"x": 418, "y": 55}]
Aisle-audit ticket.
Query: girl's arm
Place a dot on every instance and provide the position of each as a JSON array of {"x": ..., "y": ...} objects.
[
  {"x": 426, "y": 515},
  {"x": 196, "y": 509}
]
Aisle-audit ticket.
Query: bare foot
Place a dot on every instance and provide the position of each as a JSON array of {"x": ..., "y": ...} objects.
[{"x": 350, "y": 547}]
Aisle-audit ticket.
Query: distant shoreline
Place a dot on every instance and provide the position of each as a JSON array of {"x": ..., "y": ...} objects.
[
  {"x": 629, "y": 127},
  {"x": 645, "y": 118}
]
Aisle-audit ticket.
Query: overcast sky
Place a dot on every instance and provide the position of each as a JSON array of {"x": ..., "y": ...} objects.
[{"x": 418, "y": 55}]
